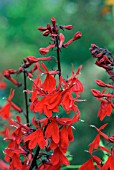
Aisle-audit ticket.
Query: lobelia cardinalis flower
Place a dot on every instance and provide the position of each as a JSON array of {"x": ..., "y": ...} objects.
[
  {"x": 5, "y": 110},
  {"x": 2, "y": 83},
  {"x": 59, "y": 158},
  {"x": 106, "y": 104},
  {"x": 89, "y": 165},
  {"x": 44, "y": 51},
  {"x": 109, "y": 164},
  {"x": 93, "y": 163},
  {"x": 7, "y": 74},
  {"x": 47, "y": 96},
  {"x": 68, "y": 27},
  {"x": 35, "y": 138},
  {"x": 77, "y": 36},
  {"x": 104, "y": 59},
  {"x": 31, "y": 59},
  {"x": 61, "y": 39},
  {"x": 106, "y": 137},
  {"x": 49, "y": 166}
]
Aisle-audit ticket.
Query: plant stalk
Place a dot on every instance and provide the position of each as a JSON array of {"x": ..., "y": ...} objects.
[
  {"x": 35, "y": 158},
  {"x": 58, "y": 57},
  {"x": 26, "y": 98}
]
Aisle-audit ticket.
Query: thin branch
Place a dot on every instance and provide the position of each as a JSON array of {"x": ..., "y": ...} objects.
[
  {"x": 26, "y": 98},
  {"x": 35, "y": 159},
  {"x": 58, "y": 56}
]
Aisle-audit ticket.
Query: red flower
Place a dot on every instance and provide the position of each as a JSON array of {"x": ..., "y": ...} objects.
[
  {"x": 64, "y": 140},
  {"x": 44, "y": 51},
  {"x": 53, "y": 20},
  {"x": 94, "y": 144},
  {"x": 50, "y": 131},
  {"x": 109, "y": 164},
  {"x": 89, "y": 165},
  {"x": 59, "y": 158},
  {"x": 46, "y": 33},
  {"x": 2, "y": 83},
  {"x": 42, "y": 28},
  {"x": 48, "y": 104},
  {"x": 105, "y": 109},
  {"x": 68, "y": 102},
  {"x": 5, "y": 111},
  {"x": 32, "y": 59},
  {"x": 7, "y": 74},
  {"x": 102, "y": 84},
  {"x": 35, "y": 138},
  {"x": 68, "y": 27},
  {"x": 49, "y": 166},
  {"x": 76, "y": 37},
  {"x": 15, "y": 162},
  {"x": 61, "y": 39},
  {"x": 106, "y": 104}
]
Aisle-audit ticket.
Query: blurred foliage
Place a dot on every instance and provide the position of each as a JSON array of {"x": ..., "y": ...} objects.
[{"x": 19, "y": 20}]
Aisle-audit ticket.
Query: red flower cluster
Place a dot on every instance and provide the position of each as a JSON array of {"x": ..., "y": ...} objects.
[
  {"x": 104, "y": 60},
  {"x": 43, "y": 143}
]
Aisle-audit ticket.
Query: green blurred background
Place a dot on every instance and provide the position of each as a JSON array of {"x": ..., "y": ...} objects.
[{"x": 19, "y": 38}]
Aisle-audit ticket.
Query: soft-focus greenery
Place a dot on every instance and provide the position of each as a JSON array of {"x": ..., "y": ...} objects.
[{"x": 19, "y": 20}]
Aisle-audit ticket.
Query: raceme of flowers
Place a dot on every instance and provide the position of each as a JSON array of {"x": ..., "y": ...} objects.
[{"x": 42, "y": 141}]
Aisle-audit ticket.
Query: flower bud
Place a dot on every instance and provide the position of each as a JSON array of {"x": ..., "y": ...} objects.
[
  {"x": 77, "y": 36},
  {"x": 42, "y": 28}
]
